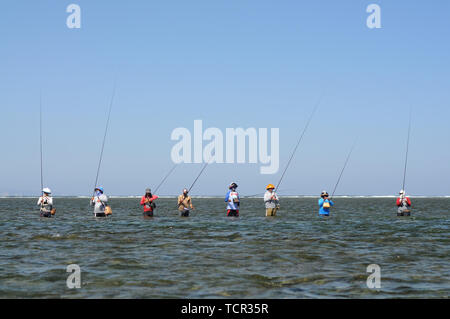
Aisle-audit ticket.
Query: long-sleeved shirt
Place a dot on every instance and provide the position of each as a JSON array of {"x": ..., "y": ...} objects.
[
  {"x": 403, "y": 202},
  {"x": 99, "y": 206},
  {"x": 230, "y": 200},
  {"x": 147, "y": 206},
  {"x": 268, "y": 201},
  {"x": 324, "y": 210},
  {"x": 46, "y": 203}
]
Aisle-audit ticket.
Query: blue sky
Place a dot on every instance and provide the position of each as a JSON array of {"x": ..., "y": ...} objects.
[{"x": 231, "y": 64}]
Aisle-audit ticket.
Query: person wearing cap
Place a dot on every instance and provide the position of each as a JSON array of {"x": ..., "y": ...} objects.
[
  {"x": 46, "y": 203},
  {"x": 403, "y": 204},
  {"x": 147, "y": 202},
  {"x": 271, "y": 201},
  {"x": 324, "y": 204},
  {"x": 100, "y": 203},
  {"x": 185, "y": 203},
  {"x": 233, "y": 201}
]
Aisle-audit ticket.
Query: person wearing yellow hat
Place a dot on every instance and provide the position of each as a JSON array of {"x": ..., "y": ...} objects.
[{"x": 271, "y": 201}]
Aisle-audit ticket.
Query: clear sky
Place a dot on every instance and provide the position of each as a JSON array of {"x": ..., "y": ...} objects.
[{"x": 232, "y": 63}]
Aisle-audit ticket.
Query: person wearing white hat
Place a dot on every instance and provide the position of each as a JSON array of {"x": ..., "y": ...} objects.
[
  {"x": 403, "y": 204},
  {"x": 46, "y": 203}
]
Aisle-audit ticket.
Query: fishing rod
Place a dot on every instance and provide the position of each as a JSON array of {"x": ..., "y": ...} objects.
[
  {"x": 199, "y": 174},
  {"x": 257, "y": 194},
  {"x": 104, "y": 137},
  {"x": 40, "y": 142},
  {"x": 298, "y": 143},
  {"x": 343, "y": 168},
  {"x": 407, "y": 149},
  {"x": 173, "y": 168}
]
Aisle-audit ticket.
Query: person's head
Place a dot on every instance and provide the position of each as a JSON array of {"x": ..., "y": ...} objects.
[
  {"x": 185, "y": 191},
  {"x": 324, "y": 194},
  {"x": 148, "y": 192},
  {"x": 270, "y": 187},
  {"x": 233, "y": 186},
  {"x": 46, "y": 191},
  {"x": 402, "y": 192},
  {"x": 98, "y": 190}
]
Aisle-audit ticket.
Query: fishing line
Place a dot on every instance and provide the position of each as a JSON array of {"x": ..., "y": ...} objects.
[
  {"x": 40, "y": 140},
  {"x": 343, "y": 168},
  {"x": 104, "y": 137},
  {"x": 259, "y": 194},
  {"x": 407, "y": 148},
  {"x": 165, "y": 178},
  {"x": 204, "y": 166},
  {"x": 299, "y": 140}
]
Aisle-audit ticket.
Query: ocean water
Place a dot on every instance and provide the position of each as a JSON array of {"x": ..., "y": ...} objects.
[{"x": 296, "y": 254}]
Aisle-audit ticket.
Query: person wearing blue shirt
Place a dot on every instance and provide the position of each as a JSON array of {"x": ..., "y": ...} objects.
[{"x": 325, "y": 204}]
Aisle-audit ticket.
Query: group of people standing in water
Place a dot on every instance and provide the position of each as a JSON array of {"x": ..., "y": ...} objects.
[{"x": 271, "y": 201}]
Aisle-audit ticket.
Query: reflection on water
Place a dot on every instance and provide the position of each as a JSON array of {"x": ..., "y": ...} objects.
[{"x": 293, "y": 255}]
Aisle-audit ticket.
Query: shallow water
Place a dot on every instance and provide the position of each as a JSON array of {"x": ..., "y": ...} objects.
[{"x": 294, "y": 255}]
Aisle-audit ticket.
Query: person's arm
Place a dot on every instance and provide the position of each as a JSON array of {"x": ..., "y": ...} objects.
[
  {"x": 39, "y": 201},
  {"x": 143, "y": 200},
  {"x": 331, "y": 202},
  {"x": 408, "y": 201},
  {"x": 154, "y": 197},
  {"x": 50, "y": 201},
  {"x": 399, "y": 201},
  {"x": 267, "y": 197},
  {"x": 227, "y": 196},
  {"x": 321, "y": 202}
]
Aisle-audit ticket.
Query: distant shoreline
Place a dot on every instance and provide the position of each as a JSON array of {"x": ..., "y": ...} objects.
[{"x": 221, "y": 197}]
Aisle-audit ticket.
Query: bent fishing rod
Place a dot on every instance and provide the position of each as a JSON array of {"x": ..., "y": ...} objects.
[
  {"x": 343, "y": 168},
  {"x": 298, "y": 142},
  {"x": 104, "y": 137},
  {"x": 407, "y": 149}
]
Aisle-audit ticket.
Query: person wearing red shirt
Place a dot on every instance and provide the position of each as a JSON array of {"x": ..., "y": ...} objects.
[
  {"x": 147, "y": 202},
  {"x": 403, "y": 204}
]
